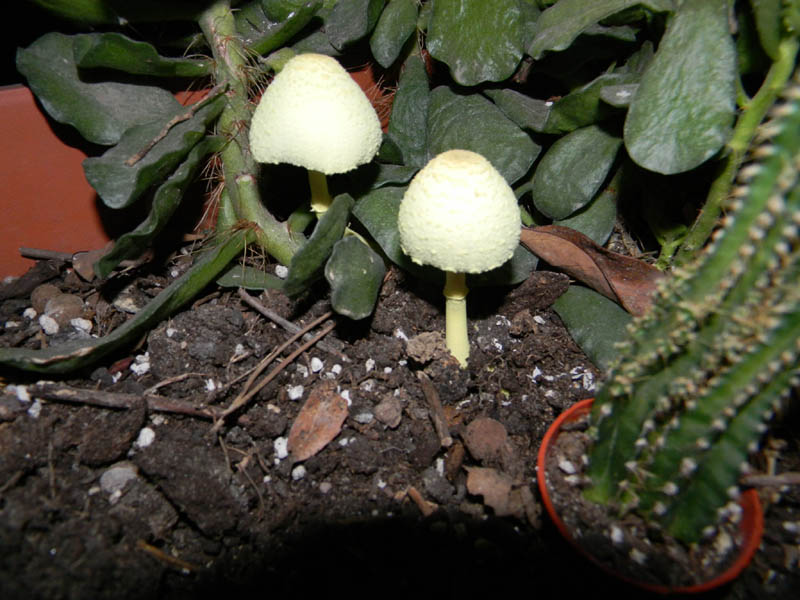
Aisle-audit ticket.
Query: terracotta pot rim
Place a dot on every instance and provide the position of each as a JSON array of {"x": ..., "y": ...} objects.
[{"x": 752, "y": 522}]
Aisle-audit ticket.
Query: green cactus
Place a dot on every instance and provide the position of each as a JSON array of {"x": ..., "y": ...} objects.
[{"x": 703, "y": 372}]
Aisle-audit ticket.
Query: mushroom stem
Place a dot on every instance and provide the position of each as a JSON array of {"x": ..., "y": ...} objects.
[
  {"x": 455, "y": 293},
  {"x": 320, "y": 196}
]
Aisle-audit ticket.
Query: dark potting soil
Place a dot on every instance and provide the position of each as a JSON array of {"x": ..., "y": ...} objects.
[{"x": 428, "y": 486}]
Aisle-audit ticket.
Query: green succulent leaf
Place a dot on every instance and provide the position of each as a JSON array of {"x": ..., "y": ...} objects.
[
  {"x": 572, "y": 171},
  {"x": 526, "y": 112},
  {"x": 594, "y": 322},
  {"x": 583, "y": 106},
  {"x": 309, "y": 261},
  {"x": 398, "y": 21},
  {"x": 75, "y": 355},
  {"x": 165, "y": 202},
  {"x": 377, "y": 212},
  {"x": 355, "y": 273},
  {"x": 474, "y": 123},
  {"x": 561, "y": 23},
  {"x": 249, "y": 278},
  {"x": 408, "y": 121},
  {"x": 619, "y": 95},
  {"x": 479, "y": 41},
  {"x": 102, "y": 111},
  {"x": 116, "y": 51},
  {"x": 351, "y": 20},
  {"x": 279, "y": 10},
  {"x": 119, "y": 183},
  {"x": 596, "y": 220},
  {"x": 513, "y": 271},
  {"x": 767, "y": 15},
  {"x": 684, "y": 109},
  {"x": 267, "y": 26}
]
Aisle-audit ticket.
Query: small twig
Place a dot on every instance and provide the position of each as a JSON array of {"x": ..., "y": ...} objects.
[
  {"x": 176, "y": 563},
  {"x": 62, "y": 393},
  {"x": 241, "y": 400},
  {"x": 185, "y": 116},
  {"x": 170, "y": 380},
  {"x": 42, "y": 254},
  {"x": 436, "y": 410},
  {"x": 766, "y": 480},
  {"x": 286, "y": 324},
  {"x": 425, "y": 507}
]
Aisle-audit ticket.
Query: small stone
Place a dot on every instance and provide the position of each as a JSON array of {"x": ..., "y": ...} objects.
[
  {"x": 389, "y": 411},
  {"x": 298, "y": 472},
  {"x": 41, "y": 294},
  {"x": 316, "y": 365},
  {"x": 63, "y": 308},
  {"x": 295, "y": 392},
  {"x": 80, "y": 324},
  {"x": 426, "y": 347},
  {"x": 116, "y": 477},
  {"x": 48, "y": 325},
  {"x": 146, "y": 437},
  {"x": 280, "y": 445},
  {"x": 364, "y": 418}
]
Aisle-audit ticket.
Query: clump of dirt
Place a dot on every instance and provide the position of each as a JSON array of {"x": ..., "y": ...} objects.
[{"x": 125, "y": 483}]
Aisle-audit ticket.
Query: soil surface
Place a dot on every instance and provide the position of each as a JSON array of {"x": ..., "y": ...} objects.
[{"x": 402, "y": 475}]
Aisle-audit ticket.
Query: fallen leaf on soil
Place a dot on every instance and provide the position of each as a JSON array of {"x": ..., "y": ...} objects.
[
  {"x": 494, "y": 486},
  {"x": 318, "y": 423},
  {"x": 626, "y": 280},
  {"x": 486, "y": 439}
]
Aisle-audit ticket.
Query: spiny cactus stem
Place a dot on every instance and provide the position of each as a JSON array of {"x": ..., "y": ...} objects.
[{"x": 239, "y": 168}]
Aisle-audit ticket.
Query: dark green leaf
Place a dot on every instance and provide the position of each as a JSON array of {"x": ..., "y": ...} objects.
[
  {"x": 116, "y": 51},
  {"x": 684, "y": 109},
  {"x": 279, "y": 10},
  {"x": 74, "y": 355},
  {"x": 474, "y": 123},
  {"x": 165, "y": 202},
  {"x": 480, "y": 41},
  {"x": 582, "y": 106},
  {"x": 118, "y": 183},
  {"x": 351, "y": 20},
  {"x": 513, "y": 271},
  {"x": 408, "y": 122},
  {"x": 527, "y": 112},
  {"x": 594, "y": 322},
  {"x": 355, "y": 273},
  {"x": 619, "y": 95},
  {"x": 262, "y": 33},
  {"x": 101, "y": 112},
  {"x": 561, "y": 23},
  {"x": 767, "y": 15},
  {"x": 596, "y": 220},
  {"x": 572, "y": 171},
  {"x": 398, "y": 21},
  {"x": 309, "y": 261},
  {"x": 392, "y": 174},
  {"x": 249, "y": 278},
  {"x": 377, "y": 212}
]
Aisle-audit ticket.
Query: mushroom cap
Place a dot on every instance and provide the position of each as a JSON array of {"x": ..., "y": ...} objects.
[
  {"x": 314, "y": 115},
  {"x": 459, "y": 214}
]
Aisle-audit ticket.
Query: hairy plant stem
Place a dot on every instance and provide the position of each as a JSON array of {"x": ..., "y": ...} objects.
[
  {"x": 749, "y": 120},
  {"x": 239, "y": 168}
]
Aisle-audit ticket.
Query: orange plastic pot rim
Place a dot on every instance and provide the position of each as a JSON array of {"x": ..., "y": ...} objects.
[{"x": 752, "y": 522}]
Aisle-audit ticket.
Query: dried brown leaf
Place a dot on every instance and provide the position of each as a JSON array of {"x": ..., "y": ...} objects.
[
  {"x": 318, "y": 423},
  {"x": 626, "y": 280},
  {"x": 494, "y": 486}
]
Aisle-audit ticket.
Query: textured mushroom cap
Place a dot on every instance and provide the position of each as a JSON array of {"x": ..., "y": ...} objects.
[
  {"x": 314, "y": 115},
  {"x": 459, "y": 215}
]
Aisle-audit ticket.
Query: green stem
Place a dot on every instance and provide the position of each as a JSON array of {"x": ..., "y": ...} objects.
[
  {"x": 743, "y": 134},
  {"x": 455, "y": 293},
  {"x": 239, "y": 168}
]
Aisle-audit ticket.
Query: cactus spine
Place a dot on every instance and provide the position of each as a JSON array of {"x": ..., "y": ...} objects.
[{"x": 704, "y": 370}]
